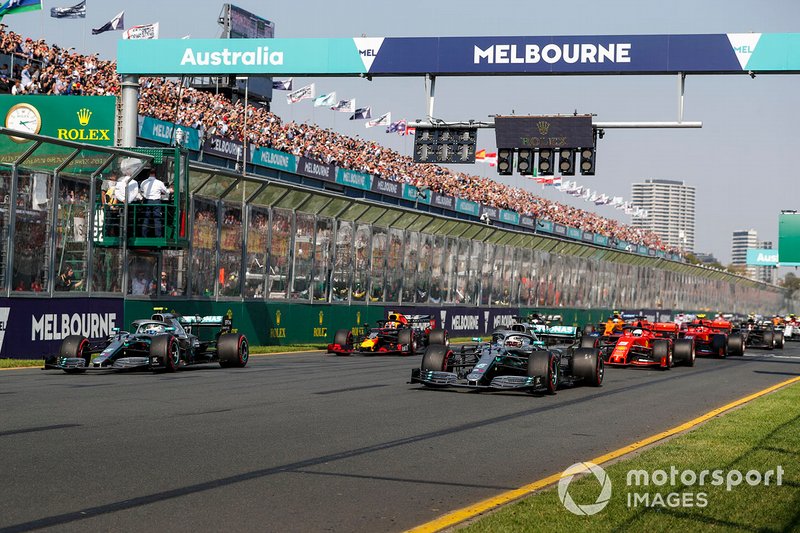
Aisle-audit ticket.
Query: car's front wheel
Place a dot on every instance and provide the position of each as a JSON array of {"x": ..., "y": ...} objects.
[
  {"x": 167, "y": 350},
  {"x": 544, "y": 365},
  {"x": 75, "y": 347}
]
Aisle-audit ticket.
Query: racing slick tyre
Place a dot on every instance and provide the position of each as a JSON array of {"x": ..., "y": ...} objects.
[
  {"x": 779, "y": 342},
  {"x": 769, "y": 340},
  {"x": 544, "y": 365},
  {"x": 436, "y": 358},
  {"x": 735, "y": 344},
  {"x": 720, "y": 346},
  {"x": 588, "y": 366},
  {"x": 683, "y": 352},
  {"x": 344, "y": 338},
  {"x": 75, "y": 346},
  {"x": 233, "y": 350},
  {"x": 662, "y": 352},
  {"x": 588, "y": 342},
  {"x": 406, "y": 337},
  {"x": 167, "y": 349},
  {"x": 438, "y": 336}
]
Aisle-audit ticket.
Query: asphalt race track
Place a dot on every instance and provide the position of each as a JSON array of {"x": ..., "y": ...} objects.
[{"x": 314, "y": 442}]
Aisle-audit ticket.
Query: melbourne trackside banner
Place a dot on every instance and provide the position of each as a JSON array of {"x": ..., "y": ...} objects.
[
  {"x": 723, "y": 53},
  {"x": 165, "y": 132},
  {"x": 32, "y": 328},
  {"x": 315, "y": 169},
  {"x": 267, "y": 157}
]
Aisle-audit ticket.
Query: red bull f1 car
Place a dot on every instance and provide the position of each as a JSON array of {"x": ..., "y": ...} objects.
[
  {"x": 713, "y": 337},
  {"x": 512, "y": 360},
  {"x": 164, "y": 341},
  {"x": 399, "y": 334},
  {"x": 646, "y": 344}
]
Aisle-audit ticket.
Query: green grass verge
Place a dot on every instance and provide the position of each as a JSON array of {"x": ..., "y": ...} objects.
[
  {"x": 759, "y": 436},
  {"x": 258, "y": 350},
  {"x": 15, "y": 363}
]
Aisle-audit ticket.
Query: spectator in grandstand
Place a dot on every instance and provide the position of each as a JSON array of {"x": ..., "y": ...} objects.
[
  {"x": 154, "y": 193},
  {"x": 66, "y": 281},
  {"x": 140, "y": 285}
]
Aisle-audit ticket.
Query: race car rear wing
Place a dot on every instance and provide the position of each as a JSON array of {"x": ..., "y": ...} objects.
[
  {"x": 421, "y": 321},
  {"x": 212, "y": 321},
  {"x": 555, "y": 334}
]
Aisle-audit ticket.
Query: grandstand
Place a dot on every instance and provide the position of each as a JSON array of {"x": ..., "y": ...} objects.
[{"x": 44, "y": 69}]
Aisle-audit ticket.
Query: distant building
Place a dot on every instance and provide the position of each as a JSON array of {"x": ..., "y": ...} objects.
[
  {"x": 671, "y": 211},
  {"x": 742, "y": 240},
  {"x": 765, "y": 273},
  {"x": 706, "y": 259}
]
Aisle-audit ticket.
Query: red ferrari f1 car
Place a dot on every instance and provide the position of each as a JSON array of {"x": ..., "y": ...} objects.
[
  {"x": 649, "y": 344},
  {"x": 713, "y": 337}
]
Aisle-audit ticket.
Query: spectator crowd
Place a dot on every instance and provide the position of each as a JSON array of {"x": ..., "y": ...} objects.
[{"x": 47, "y": 69}]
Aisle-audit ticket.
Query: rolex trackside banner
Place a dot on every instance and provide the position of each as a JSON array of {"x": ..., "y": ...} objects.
[{"x": 723, "y": 53}]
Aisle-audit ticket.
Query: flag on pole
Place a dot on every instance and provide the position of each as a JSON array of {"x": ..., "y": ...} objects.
[
  {"x": 282, "y": 85},
  {"x": 12, "y": 7},
  {"x": 326, "y": 100},
  {"x": 144, "y": 31},
  {"x": 345, "y": 106},
  {"x": 78, "y": 11},
  {"x": 411, "y": 130},
  {"x": 117, "y": 23},
  {"x": 362, "y": 113},
  {"x": 556, "y": 181},
  {"x": 616, "y": 200},
  {"x": 383, "y": 120},
  {"x": 302, "y": 93},
  {"x": 397, "y": 127}
]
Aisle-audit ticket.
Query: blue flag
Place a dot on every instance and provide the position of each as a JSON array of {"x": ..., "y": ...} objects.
[{"x": 11, "y": 7}]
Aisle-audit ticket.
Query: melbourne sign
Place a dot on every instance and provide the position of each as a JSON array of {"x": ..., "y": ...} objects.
[
  {"x": 30, "y": 329},
  {"x": 721, "y": 53}
]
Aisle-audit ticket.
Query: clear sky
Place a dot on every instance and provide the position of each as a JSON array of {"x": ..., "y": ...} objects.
[{"x": 743, "y": 162}]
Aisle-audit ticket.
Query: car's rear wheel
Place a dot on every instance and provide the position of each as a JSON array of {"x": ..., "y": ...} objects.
[
  {"x": 662, "y": 352},
  {"x": 544, "y": 365},
  {"x": 718, "y": 345},
  {"x": 769, "y": 340},
  {"x": 75, "y": 347},
  {"x": 233, "y": 350},
  {"x": 436, "y": 358},
  {"x": 167, "y": 349},
  {"x": 683, "y": 352},
  {"x": 406, "y": 338},
  {"x": 439, "y": 336},
  {"x": 588, "y": 342},
  {"x": 735, "y": 344},
  {"x": 588, "y": 366},
  {"x": 779, "y": 341}
]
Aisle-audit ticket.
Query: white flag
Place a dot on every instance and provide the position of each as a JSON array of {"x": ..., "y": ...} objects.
[
  {"x": 325, "y": 100},
  {"x": 145, "y": 31},
  {"x": 345, "y": 106},
  {"x": 302, "y": 93},
  {"x": 616, "y": 200},
  {"x": 383, "y": 120}
]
